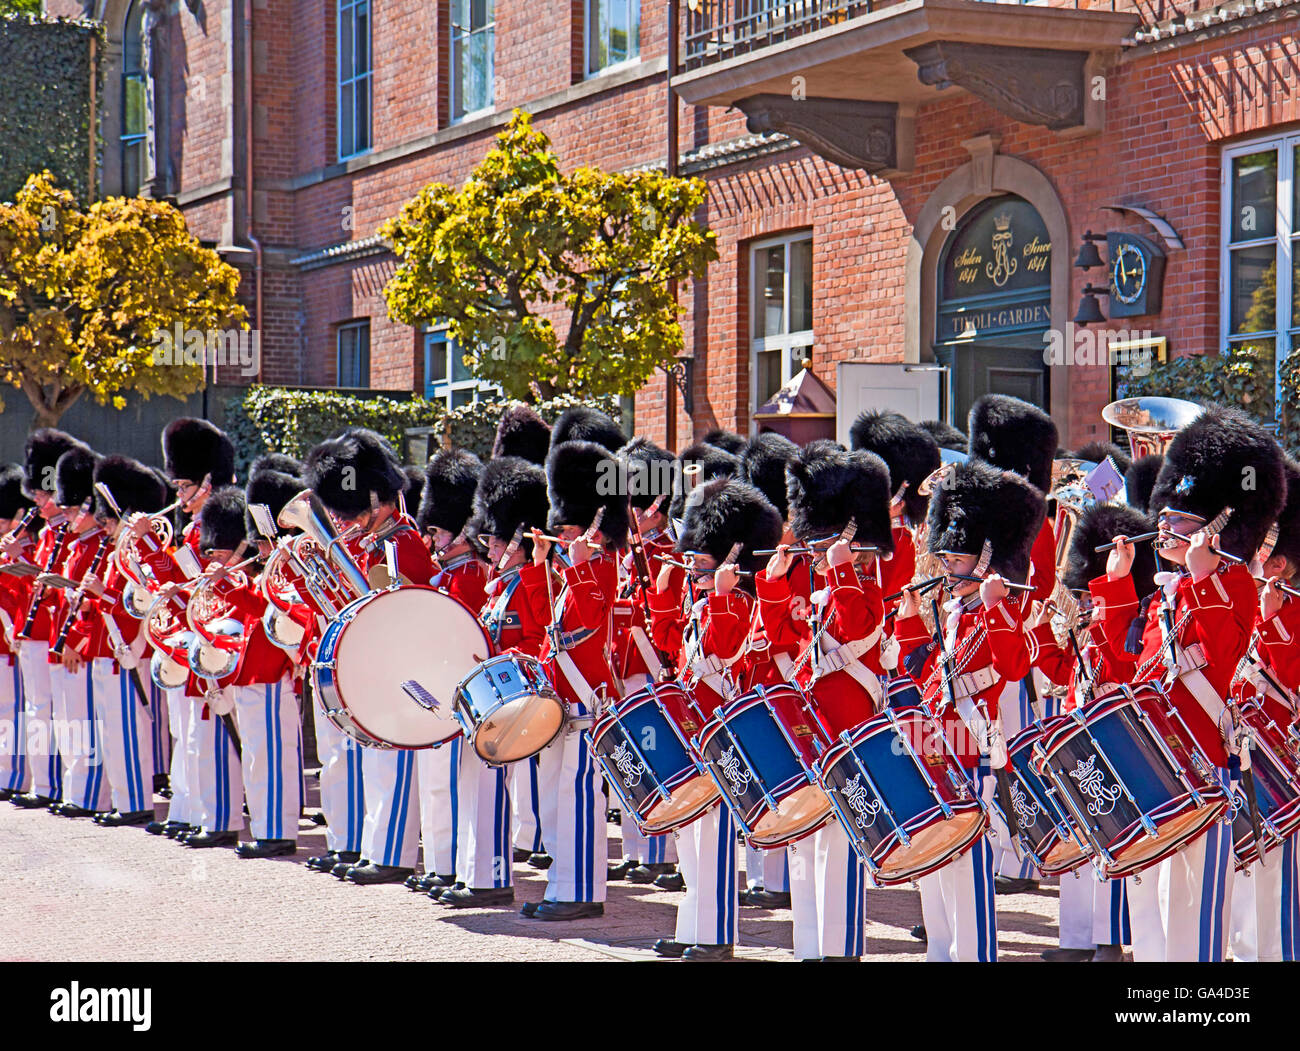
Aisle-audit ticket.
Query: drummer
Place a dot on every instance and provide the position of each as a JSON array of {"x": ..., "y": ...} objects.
[{"x": 840, "y": 666}]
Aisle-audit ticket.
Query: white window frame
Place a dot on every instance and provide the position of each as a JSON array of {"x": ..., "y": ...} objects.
[
  {"x": 787, "y": 341},
  {"x": 460, "y": 37},
  {"x": 360, "y": 325},
  {"x": 589, "y": 10},
  {"x": 444, "y": 390},
  {"x": 349, "y": 79},
  {"x": 1285, "y": 237}
]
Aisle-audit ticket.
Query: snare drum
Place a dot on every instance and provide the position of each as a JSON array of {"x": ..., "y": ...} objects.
[
  {"x": 760, "y": 750},
  {"x": 642, "y": 744},
  {"x": 389, "y": 647},
  {"x": 1130, "y": 774},
  {"x": 509, "y": 709},
  {"x": 906, "y": 803},
  {"x": 1277, "y": 789},
  {"x": 1051, "y": 835}
]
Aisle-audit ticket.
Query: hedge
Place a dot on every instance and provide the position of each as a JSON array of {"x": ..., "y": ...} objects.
[{"x": 45, "y": 119}]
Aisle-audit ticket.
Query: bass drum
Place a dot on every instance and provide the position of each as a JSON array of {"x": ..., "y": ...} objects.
[{"x": 389, "y": 648}]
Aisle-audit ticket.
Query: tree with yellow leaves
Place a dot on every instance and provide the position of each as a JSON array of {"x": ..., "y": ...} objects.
[
  {"x": 522, "y": 242},
  {"x": 89, "y": 299}
]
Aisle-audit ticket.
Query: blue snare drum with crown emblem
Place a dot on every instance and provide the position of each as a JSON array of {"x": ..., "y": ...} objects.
[
  {"x": 1051, "y": 836},
  {"x": 1277, "y": 789}
]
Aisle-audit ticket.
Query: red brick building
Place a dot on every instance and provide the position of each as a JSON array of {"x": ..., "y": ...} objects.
[{"x": 903, "y": 182}]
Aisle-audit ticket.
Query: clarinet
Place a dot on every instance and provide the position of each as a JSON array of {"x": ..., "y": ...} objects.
[
  {"x": 22, "y": 526},
  {"x": 38, "y": 596},
  {"x": 79, "y": 596}
]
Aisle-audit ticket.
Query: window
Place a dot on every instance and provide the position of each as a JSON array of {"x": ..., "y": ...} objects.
[
  {"x": 473, "y": 57},
  {"x": 447, "y": 378},
  {"x": 781, "y": 311},
  {"x": 1259, "y": 307},
  {"x": 135, "y": 102},
  {"x": 354, "y": 354},
  {"x": 354, "y": 77},
  {"x": 613, "y": 33}
]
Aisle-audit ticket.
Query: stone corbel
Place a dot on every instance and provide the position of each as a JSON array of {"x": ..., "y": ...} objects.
[{"x": 875, "y": 136}]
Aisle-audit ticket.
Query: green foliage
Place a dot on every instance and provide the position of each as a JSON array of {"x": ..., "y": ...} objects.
[
  {"x": 45, "y": 114},
  {"x": 522, "y": 241}
]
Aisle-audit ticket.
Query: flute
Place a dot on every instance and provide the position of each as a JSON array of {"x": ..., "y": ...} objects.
[
  {"x": 920, "y": 587},
  {"x": 979, "y": 580},
  {"x": 1132, "y": 540},
  {"x": 810, "y": 550}
]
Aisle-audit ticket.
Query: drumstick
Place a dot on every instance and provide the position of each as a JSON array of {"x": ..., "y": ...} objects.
[
  {"x": 979, "y": 580},
  {"x": 920, "y": 587},
  {"x": 1102, "y": 549},
  {"x": 696, "y": 569}
]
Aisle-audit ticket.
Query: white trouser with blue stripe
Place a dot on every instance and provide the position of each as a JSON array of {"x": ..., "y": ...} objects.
[
  {"x": 342, "y": 789},
  {"x": 769, "y": 869},
  {"x": 437, "y": 780},
  {"x": 706, "y": 851},
  {"x": 181, "y": 775},
  {"x": 1093, "y": 912},
  {"x": 218, "y": 784},
  {"x": 1265, "y": 908},
  {"x": 390, "y": 832},
  {"x": 573, "y": 817},
  {"x": 526, "y": 806},
  {"x": 13, "y": 723},
  {"x": 271, "y": 760},
  {"x": 1016, "y": 712},
  {"x": 43, "y": 762},
  {"x": 958, "y": 905},
  {"x": 483, "y": 855},
  {"x": 78, "y": 731},
  {"x": 828, "y": 895},
  {"x": 160, "y": 711},
  {"x": 128, "y": 736},
  {"x": 1179, "y": 908}
]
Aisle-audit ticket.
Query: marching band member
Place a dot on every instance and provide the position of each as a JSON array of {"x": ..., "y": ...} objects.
[
  {"x": 707, "y": 637},
  {"x": 1207, "y": 607},
  {"x": 357, "y": 477},
  {"x": 946, "y": 435},
  {"x": 576, "y": 655},
  {"x": 982, "y": 523},
  {"x": 844, "y": 675},
  {"x": 14, "y": 525}
]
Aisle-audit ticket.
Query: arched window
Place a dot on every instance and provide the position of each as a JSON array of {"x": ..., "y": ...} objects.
[{"x": 135, "y": 101}]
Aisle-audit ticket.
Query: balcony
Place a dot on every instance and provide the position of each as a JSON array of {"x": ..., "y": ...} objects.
[{"x": 721, "y": 29}]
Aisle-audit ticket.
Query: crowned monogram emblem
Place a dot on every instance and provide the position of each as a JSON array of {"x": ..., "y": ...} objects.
[
  {"x": 626, "y": 764},
  {"x": 1027, "y": 810},
  {"x": 1092, "y": 783},
  {"x": 861, "y": 803},
  {"x": 732, "y": 769},
  {"x": 1003, "y": 265}
]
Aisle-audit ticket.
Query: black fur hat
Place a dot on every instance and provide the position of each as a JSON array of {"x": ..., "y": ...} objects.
[
  {"x": 823, "y": 447},
  {"x": 1014, "y": 435},
  {"x": 1224, "y": 459},
  {"x": 581, "y": 423},
  {"x": 344, "y": 471},
  {"x": 522, "y": 432},
  {"x": 74, "y": 476},
  {"x": 134, "y": 486},
  {"x": 715, "y": 462},
  {"x": 1095, "y": 452},
  {"x": 978, "y": 502},
  {"x": 221, "y": 519},
  {"x": 946, "y": 436},
  {"x": 40, "y": 454},
  {"x": 581, "y": 478},
  {"x": 193, "y": 448},
  {"x": 825, "y": 491},
  {"x": 725, "y": 439},
  {"x": 13, "y": 501},
  {"x": 511, "y": 492},
  {"x": 414, "y": 491},
  {"x": 281, "y": 462},
  {"x": 725, "y": 512},
  {"x": 763, "y": 462},
  {"x": 1140, "y": 479},
  {"x": 449, "y": 484},
  {"x": 1100, "y": 524},
  {"x": 272, "y": 488},
  {"x": 1288, "y": 521},
  {"x": 909, "y": 451},
  {"x": 647, "y": 471}
]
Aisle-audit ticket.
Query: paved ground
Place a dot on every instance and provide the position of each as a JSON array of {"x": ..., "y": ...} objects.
[{"x": 74, "y": 891}]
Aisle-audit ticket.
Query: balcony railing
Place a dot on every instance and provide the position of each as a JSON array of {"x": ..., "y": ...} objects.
[{"x": 720, "y": 29}]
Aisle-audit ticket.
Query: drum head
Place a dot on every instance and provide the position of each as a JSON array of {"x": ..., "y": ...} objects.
[
  {"x": 519, "y": 728},
  {"x": 935, "y": 844},
  {"x": 799, "y": 814},
  {"x": 412, "y": 633},
  {"x": 684, "y": 805}
]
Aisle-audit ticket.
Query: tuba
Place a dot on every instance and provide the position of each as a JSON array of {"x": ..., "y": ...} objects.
[
  {"x": 167, "y": 633},
  {"x": 329, "y": 572},
  {"x": 281, "y": 595},
  {"x": 218, "y": 634},
  {"x": 1150, "y": 423}
]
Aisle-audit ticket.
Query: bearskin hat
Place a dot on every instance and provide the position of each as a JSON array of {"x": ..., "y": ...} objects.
[
  {"x": 725, "y": 439},
  {"x": 414, "y": 491},
  {"x": 1098, "y": 525},
  {"x": 511, "y": 492},
  {"x": 134, "y": 486},
  {"x": 40, "y": 454},
  {"x": 823, "y": 447},
  {"x": 581, "y": 478},
  {"x": 1014, "y": 435},
  {"x": 648, "y": 473},
  {"x": 1224, "y": 459},
  {"x": 193, "y": 448},
  {"x": 272, "y": 488},
  {"x": 522, "y": 432},
  {"x": 1288, "y": 519},
  {"x": 281, "y": 462},
  {"x": 762, "y": 464},
  {"x": 581, "y": 423},
  {"x": 221, "y": 519},
  {"x": 946, "y": 436},
  {"x": 725, "y": 512},
  {"x": 910, "y": 452},
  {"x": 449, "y": 484},
  {"x": 343, "y": 471},
  {"x": 74, "y": 476},
  {"x": 1096, "y": 452},
  {"x": 1140, "y": 479},
  {"x": 979, "y": 502},
  {"x": 13, "y": 501},
  {"x": 714, "y": 462},
  {"x": 825, "y": 491}
]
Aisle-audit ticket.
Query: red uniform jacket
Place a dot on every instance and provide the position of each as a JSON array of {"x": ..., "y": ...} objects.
[
  {"x": 1278, "y": 649},
  {"x": 1109, "y": 668},
  {"x": 45, "y": 624},
  {"x": 723, "y": 626},
  {"x": 463, "y": 578},
  {"x": 583, "y": 616},
  {"x": 897, "y": 571},
  {"x": 413, "y": 559},
  {"x": 513, "y": 622},
  {"x": 1042, "y": 563},
  {"x": 630, "y": 614},
  {"x": 780, "y": 635},
  {"x": 87, "y": 635}
]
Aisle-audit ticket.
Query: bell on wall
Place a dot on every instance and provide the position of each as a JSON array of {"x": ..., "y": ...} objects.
[{"x": 1089, "y": 312}]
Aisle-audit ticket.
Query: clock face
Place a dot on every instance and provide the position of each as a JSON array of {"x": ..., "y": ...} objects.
[{"x": 1128, "y": 273}]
